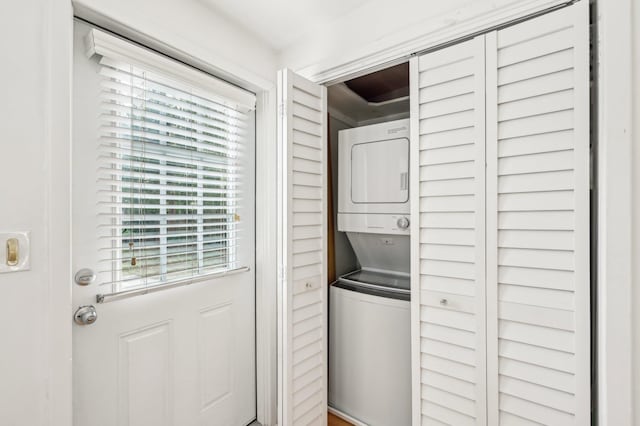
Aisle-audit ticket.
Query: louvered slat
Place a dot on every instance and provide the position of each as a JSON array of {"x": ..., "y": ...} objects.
[
  {"x": 447, "y": 235},
  {"x": 302, "y": 128},
  {"x": 538, "y": 221}
]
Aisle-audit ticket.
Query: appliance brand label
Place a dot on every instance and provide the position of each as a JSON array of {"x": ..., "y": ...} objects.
[{"x": 396, "y": 130}]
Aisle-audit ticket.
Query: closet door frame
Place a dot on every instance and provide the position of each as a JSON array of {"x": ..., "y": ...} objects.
[{"x": 614, "y": 177}]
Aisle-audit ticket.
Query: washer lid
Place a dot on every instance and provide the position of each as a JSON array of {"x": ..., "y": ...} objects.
[{"x": 390, "y": 281}]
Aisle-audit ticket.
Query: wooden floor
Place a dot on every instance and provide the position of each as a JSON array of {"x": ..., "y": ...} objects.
[{"x": 337, "y": 421}]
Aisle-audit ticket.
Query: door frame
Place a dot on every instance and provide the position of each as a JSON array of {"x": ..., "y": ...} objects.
[
  {"x": 614, "y": 177},
  {"x": 57, "y": 103}
]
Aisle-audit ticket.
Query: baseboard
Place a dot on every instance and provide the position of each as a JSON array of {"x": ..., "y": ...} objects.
[{"x": 346, "y": 417}]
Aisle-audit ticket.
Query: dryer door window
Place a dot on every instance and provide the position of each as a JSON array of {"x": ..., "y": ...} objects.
[{"x": 380, "y": 172}]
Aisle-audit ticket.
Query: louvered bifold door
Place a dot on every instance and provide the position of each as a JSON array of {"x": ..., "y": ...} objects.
[
  {"x": 448, "y": 302},
  {"x": 303, "y": 290},
  {"x": 538, "y": 220}
]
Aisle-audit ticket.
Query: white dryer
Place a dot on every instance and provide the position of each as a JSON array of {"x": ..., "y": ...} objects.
[
  {"x": 373, "y": 194},
  {"x": 369, "y": 312},
  {"x": 373, "y": 178}
]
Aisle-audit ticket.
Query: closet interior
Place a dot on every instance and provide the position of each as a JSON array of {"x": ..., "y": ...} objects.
[{"x": 369, "y": 208}]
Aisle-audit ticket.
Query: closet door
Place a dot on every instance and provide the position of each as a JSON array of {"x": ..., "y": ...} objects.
[
  {"x": 538, "y": 221},
  {"x": 448, "y": 228},
  {"x": 303, "y": 293}
]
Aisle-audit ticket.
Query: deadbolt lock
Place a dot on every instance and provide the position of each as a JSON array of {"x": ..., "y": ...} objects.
[{"x": 85, "y": 276}]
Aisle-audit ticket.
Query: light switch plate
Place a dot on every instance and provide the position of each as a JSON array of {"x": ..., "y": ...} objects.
[{"x": 24, "y": 251}]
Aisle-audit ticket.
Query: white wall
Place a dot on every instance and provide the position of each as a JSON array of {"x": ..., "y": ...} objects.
[
  {"x": 378, "y": 25},
  {"x": 23, "y": 189},
  {"x": 35, "y": 325}
]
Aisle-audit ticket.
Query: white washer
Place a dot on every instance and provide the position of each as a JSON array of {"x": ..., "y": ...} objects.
[
  {"x": 369, "y": 357},
  {"x": 369, "y": 312}
]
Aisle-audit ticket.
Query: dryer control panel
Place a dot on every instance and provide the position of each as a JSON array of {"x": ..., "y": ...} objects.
[{"x": 374, "y": 223}]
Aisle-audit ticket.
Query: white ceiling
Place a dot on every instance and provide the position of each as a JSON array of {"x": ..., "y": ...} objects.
[{"x": 282, "y": 22}]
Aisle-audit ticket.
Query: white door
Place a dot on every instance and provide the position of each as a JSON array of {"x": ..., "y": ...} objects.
[
  {"x": 500, "y": 238},
  {"x": 183, "y": 356},
  {"x": 538, "y": 287},
  {"x": 302, "y": 289},
  {"x": 447, "y": 235}
]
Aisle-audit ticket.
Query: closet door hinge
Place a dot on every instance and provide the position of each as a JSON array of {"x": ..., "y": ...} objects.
[
  {"x": 282, "y": 110},
  {"x": 282, "y": 273}
]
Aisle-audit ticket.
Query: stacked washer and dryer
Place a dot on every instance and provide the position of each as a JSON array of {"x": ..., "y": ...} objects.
[{"x": 369, "y": 313}]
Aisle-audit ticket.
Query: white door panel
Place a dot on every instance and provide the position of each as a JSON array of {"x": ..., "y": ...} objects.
[
  {"x": 447, "y": 158},
  {"x": 538, "y": 220},
  {"x": 302, "y": 310},
  {"x": 500, "y": 136},
  {"x": 179, "y": 357}
]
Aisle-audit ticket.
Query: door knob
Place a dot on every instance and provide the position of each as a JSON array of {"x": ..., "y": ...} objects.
[{"x": 85, "y": 315}]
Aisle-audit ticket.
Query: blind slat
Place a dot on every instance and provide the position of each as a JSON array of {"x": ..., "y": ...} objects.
[
  {"x": 168, "y": 153},
  {"x": 138, "y": 238},
  {"x": 170, "y": 98},
  {"x": 158, "y": 102},
  {"x": 147, "y": 82},
  {"x": 117, "y": 227},
  {"x": 167, "y": 217},
  {"x": 133, "y": 105},
  {"x": 172, "y": 149},
  {"x": 155, "y": 279},
  {"x": 168, "y": 254},
  {"x": 212, "y": 187},
  {"x": 185, "y": 135},
  {"x": 141, "y": 177},
  {"x": 147, "y": 111},
  {"x": 184, "y": 83},
  {"x": 168, "y": 245},
  {"x": 142, "y": 138},
  {"x": 150, "y": 165}
]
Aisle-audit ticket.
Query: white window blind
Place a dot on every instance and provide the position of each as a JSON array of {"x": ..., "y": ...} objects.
[{"x": 170, "y": 177}]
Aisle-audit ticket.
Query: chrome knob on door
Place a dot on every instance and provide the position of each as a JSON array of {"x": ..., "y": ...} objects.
[{"x": 85, "y": 315}]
